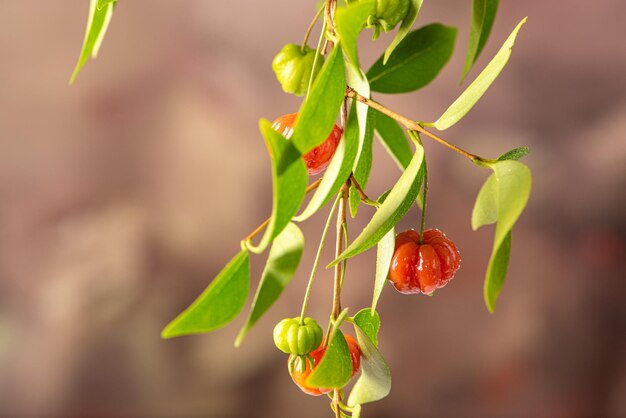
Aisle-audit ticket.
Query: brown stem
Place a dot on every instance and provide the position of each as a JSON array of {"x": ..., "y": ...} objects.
[
  {"x": 409, "y": 124},
  {"x": 358, "y": 188},
  {"x": 266, "y": 222},
  {"x": 329, "y": 9}
]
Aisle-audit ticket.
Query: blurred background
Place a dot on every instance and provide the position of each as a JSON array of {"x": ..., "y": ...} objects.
[{"x": 122, "y": 196}]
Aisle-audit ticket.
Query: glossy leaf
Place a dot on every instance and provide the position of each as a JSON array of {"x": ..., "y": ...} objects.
[
  {"x": 514, "y": 154},
  {"x": 394, "y": 140},
  {"x": 289, "y": 184},
  {"x": 97, "y": 24},
  {"x": 363, "y": 165},
  {"x": 416, "y": 61},
  {"x": 369, "y": 321},
  {"x": 219, "y": 304},
  {"x": 479, "y": 86},
  {"x": 374, "y": 383},
  {"x": 335, "y": 368},
  {"x": 483, "y": 16},
  {"x": 349, "y": 22},
  {"x": 496, "y": 272},
  {"x": 395, "y": 206},
  {"x": 384, "y": 254},
  {"x": 319, "y": 111},
  {"x": 338, "y": 170},
  {"x": 281, "y": 265},
  {"x": 405, "y": 27}
]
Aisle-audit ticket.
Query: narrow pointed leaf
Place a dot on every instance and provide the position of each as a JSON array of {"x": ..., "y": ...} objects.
[
  {"x": 97, "y": 24},
  {"x": 375, "y": 380},
  {"x": 219, "y": 304},
  {"x": 319, "y": 111},
  {"x": 363, "y": 165},
  {"x": 338, "y": 170},
  {"x": 496, "y": 272},
  {"x": 394, "y": 140},
  {"x": 335, "y": 368},
  {"x": 384, "y": 254},
  {"x": 395, "y": 206},
  {"x": 479, "y": 86},
  {"x": 483, "y": 16},
  {"x": 416, "y": 62},
  {"x": 405, "y": 27},
  {"x": 289, "y": 183},
  {"x": 369, "y": 321},
  {"x": 281, "y": 265},
  {"x": 514, "y": 154},
  {"x": 349, "y": 22}
]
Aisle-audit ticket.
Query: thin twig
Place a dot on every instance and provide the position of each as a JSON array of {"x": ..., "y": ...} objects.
[{"x": 310, "y": 28}]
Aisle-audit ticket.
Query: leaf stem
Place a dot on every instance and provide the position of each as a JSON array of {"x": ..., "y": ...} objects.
[
  {"x": 362, "y": 194},
  {"x": 316, "y": 261},
  {"x": 310, "y": 28},
  {"x": 341, "y": 220},
  {"x": 411, "y": 125}
]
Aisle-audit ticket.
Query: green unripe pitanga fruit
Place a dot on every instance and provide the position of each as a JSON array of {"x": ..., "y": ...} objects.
[
  {"x": 387, "y": 15},
  {"x": 293, "y": 66},
  {"x": 290, "y": 336}
]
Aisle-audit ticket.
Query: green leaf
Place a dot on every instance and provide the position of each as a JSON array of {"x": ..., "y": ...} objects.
[
  {"x": 369, "y": 321},
  {"x": 319, "y": 111},
  {"x": 349, "y": 22},
  {"x": 375, "y": 380},
  {"x": 104, "y": 3},
  {"x": 338, "y": 170},
  {"x": 405, "y": 27},
  {"x": 514, "y": 182},
  {"x": 384, "y": 254},
  {"x": 474, "y": 91},
  {"x": 416, "y": 62},
  {"x": 395, "y": 206},
  {"x": 219, "y": 304},
  {"x": 483, "y": 15},
  {"x": 514, "y": 154},
  {"x": 392, "y": 137},
  {"x": 486, "y": 207},
  {"x": 289, "y": 184},
  {"x": 97, "y": 24},
  {"x": 281, "y": 265},
  {"x": 335, "y": 368},
  {"x": 496, "y": 272},
  {"x": 363, "y": 165}
]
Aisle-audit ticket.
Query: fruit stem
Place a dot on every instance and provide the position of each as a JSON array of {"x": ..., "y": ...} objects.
[
  {"x": 411, "y": 125},
  {"x": 266, "y": 222},
  {"x": 341, "y": 220},
  {"x": 362, "y": 194},
  {"x": 417, "y": 138},
  {"x": 310, "y": 28},
  {"x": 317, "y": 258}
]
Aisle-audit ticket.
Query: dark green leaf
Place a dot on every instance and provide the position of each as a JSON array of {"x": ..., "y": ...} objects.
[
  {"x": 219, "y": 304},
  {"x": 338, "y": 170},
  {"x": 335, "y": 368},
  {"x": 496, "y": 272},
  {"x": 97, "y": 24},
  {"x": 416, "y": 61},
  {"x": 394, "y": 140},
  {"x": 475, "y": 91},
  {"x": 363, "y": 165},
  {"x": 483, "y": 15},
  {"x": 349, "y": 22},
  {"x": 375, "y": 380},
  {"x": 514, "y": 154},
  {"x": 281, "y": 265},
  {"x": 395, "y": 206},
  {"x": 319, "y": 111},
  {"x": 384, "y": 254},
  {"x": 405, "y": 27},
  {"x": 369, "y": 321},
  {"x": 289, "y": 184}
]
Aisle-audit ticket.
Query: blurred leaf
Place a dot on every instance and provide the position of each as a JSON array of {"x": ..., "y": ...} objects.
[
  {"x": 369, "y": 321},
  {"x": 416, "y": 61},
  {"x": 514, "y": 154},
  {"x": 363, "y": 165},
  {"x": 483, "y": 15},
  {"x": 97, "y": 24},
  {"x": 392, "y": 137},
  {"x": 281, "y": 265},
  {"x": 475, "y": 91},
  {"x": 384, "y": 254},
  {"x": 375, "y": 380},
  {"x": 219, "y": 304},
  {"x": 289, "y": 184},
  {"x": 349, "y": 22},
  {"x": 104, "y": 3},
  {"x": 335, "y": 368},
  {"x": 319, "y": 111},
  {"x": 395, "y": 206},
  {"x": 405, "y": 27}
]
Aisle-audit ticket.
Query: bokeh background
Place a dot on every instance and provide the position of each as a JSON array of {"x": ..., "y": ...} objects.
[{"x": 123, "y": 195}]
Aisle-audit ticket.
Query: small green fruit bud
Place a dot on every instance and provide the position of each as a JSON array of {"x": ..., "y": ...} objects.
[
  {"x": 293, "y": 66},
  {"x": 299, "y": 339}
]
